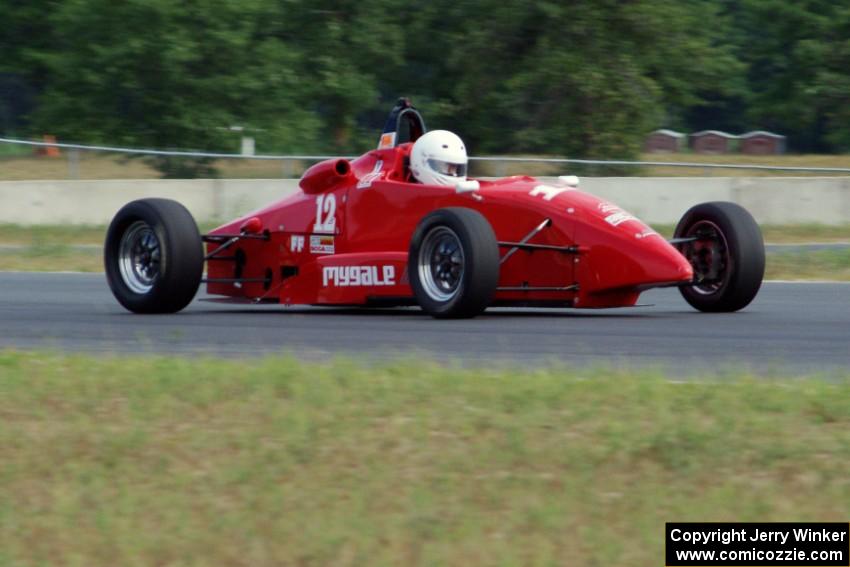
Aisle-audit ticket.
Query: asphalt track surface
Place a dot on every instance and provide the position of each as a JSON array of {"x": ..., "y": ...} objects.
[{"x": 789, "y": 328}]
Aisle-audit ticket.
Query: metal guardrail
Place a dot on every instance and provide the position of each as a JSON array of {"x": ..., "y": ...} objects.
[
  {"x": 665, "y": 163},
  {"x": 502, "y": 159},
  {"x": 174, "y": 153}
]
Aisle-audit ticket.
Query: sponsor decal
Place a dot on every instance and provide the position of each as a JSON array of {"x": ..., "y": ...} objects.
[
  {"x": 615, "y": 216},
  {"x": 616, "y": 219},
  {"x": 367, "y": 180},
  {"x": 296, "y": 243},
  {"x": 646, "y": 234},
  {"x": 548, "y": 191},
  {"x": 354, "y": 276},
  {"x": 387, "y": 140},
  {"x": 321, "y": 244}
]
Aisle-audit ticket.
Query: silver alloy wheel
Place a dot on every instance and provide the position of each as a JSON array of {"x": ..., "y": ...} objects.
[
  {"x": 440, "y": 263},
  {"x": 709, "y": 256},
  {"x": 139, "y": 257}
]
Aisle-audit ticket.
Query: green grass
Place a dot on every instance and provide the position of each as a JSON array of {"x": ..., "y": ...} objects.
[
  {"x": 45, "y": 257},
  {"x": 61, "y": 234},
  {"x": 51, "y": 248},
  {"x": 801, "y": 265},
  {"x": 94, "y": 234},
  {"x": 52, "y": 234},
  {"x": 14, "y": 151},
  {"x": 781, "y": 234},
  {"x": 28, "y": 167},
  {"x": 54, "y": 247},
  {"x": 153, "y": 461},
  {"x": 498, "y": 169},
  {"x": 815, "y": 265},
  {"x": 19, "y": 163},
  {"x": 788, "y": 160}
]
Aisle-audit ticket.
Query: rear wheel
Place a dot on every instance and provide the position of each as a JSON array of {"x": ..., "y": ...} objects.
[
  {"x": 453, "y": 263},
  {"x": 727, "y": 256},
  {"x": 153, "y": 256}
]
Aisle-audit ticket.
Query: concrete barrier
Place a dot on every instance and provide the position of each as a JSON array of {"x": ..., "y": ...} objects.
[
  {"x": 773, "y": 200},
  {"x": 95, "y": 202}
]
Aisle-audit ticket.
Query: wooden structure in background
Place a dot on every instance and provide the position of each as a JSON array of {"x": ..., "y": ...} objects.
[
  {"x": 761, "y": 143},
  {"x": 712, "y": 142},
  {"x": 664, "y": 140}
]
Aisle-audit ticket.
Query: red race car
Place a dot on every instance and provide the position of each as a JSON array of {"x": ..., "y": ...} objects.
[{"x": 403, "y": 225}]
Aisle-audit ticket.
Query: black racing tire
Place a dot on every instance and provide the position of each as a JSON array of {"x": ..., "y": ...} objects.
[
  {"x": 728, "y": 259},
  {"x": 153, "y": 256},
  {"x": 453, "y": 263}
]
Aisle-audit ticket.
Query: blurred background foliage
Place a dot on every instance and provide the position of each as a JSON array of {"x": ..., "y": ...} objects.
[{"x": 588, "y": 78}]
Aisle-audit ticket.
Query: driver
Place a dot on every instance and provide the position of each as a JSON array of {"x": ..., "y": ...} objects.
[{"x": 439, "y": 158}]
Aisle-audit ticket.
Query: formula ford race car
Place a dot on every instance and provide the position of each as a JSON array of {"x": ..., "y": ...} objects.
[{"x": 366, "y": 233}]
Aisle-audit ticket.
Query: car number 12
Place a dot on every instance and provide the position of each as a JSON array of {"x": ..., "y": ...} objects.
[{"x": 325, "y": 213}]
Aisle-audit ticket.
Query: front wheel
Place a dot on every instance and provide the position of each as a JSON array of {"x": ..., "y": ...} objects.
[
  {"x": 453, "y": 263},
  {"x": 726, "y": 250},
  {"x": 153, "y": 256}
]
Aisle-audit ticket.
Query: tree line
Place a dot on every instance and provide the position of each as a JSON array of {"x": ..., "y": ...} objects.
[{"x": 584, "y": 78}]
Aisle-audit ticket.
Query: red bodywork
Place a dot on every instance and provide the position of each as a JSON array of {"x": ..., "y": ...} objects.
[{"x": 344, "y": 238}]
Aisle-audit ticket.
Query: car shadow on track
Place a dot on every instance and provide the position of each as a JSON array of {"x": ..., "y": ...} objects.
[{"x": 494, "y": 314}]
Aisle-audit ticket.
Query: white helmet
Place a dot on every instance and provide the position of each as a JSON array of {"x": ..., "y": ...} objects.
[{"x": 439, "y": 158}]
